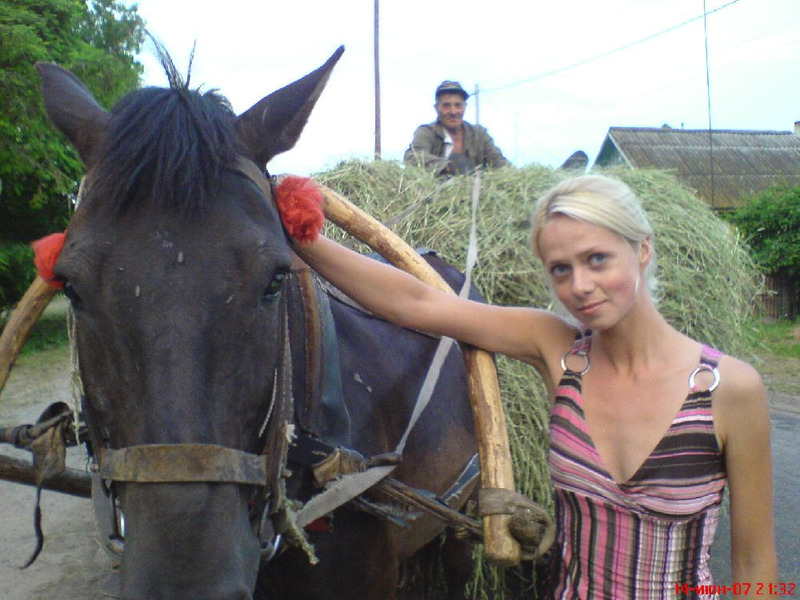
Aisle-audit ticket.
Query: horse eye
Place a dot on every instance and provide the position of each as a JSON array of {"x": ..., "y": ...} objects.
[
  {"x": 72, "y": 295},
  {"x": 275, "y": 286}
]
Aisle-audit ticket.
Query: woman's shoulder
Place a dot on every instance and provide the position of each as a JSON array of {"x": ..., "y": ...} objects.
[
  {"x": 741, "y": 379},
  {"x": 740, "y": 403}
]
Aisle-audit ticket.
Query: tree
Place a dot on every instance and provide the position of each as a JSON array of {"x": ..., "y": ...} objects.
[
  {"x": 770, "y": 223},
  {"x": 39, "y": 172}
]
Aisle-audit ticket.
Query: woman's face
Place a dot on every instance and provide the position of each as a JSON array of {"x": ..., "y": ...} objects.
[{"x": 594, "y": 272}]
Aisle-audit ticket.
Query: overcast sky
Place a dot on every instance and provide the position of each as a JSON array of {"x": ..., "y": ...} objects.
[{"x": 553, "y": 76}]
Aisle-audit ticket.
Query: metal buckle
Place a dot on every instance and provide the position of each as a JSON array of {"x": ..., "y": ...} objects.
[
  {"x": 582, "y": 353},
  {"x": 699, "y": 369}
]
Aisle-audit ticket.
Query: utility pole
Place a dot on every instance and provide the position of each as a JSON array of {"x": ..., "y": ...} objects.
[
  {"x": 377, "y": 82},
  {"x": 477, "y": 96}
]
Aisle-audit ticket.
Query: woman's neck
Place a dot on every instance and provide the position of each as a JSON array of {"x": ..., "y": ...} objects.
[{"x": 639, "y": 341}]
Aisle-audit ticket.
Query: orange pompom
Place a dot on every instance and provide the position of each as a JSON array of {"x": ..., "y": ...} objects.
[
  {"x": 299, "y": 202},
  {"x": 46, "y": 253}
]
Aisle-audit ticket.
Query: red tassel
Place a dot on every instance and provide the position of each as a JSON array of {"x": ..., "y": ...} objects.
[
  {"x": 321, "y": 525},
  {"x": 299, "y": 202},
  {"x": 46, "y": 253}
]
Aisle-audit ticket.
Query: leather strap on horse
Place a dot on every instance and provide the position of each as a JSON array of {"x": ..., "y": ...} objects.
[
  {"x": 530, "y": 524},
  {"x": 500, "y": 548},
  {"x": 183, "y": 463},
  {"x": 192, "y": 462},
  {"x": 350, "y": 485}
]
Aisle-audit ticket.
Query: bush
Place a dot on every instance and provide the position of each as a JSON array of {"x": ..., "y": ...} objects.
[
  {"x": 770, "y": 223},
  {"x": 16, "y": 274}
]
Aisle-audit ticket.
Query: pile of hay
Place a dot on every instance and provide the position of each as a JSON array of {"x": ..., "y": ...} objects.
[{"x": 708, "y": 280}]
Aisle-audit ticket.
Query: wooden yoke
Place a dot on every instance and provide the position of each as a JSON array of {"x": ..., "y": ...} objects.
[
  {"x": 500, "y": 547},
  {"x": 22, "y": 320}
]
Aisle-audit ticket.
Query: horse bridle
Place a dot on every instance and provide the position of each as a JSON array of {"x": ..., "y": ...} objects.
[{"x": 211, "y": 463}]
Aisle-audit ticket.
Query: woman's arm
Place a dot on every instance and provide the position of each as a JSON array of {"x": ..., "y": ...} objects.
[
  {"x": 743, "y": 416},
  {"x": 404, "y": 300}
]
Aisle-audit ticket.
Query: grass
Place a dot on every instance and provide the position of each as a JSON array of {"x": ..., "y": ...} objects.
[
  {"x": 776, "y": 338},
  {"x": 773, "y": 348},
  {"x": 48, "y": 334}
]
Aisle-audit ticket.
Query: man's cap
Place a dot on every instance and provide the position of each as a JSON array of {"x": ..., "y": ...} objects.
[{"x": 451, "y": 87}]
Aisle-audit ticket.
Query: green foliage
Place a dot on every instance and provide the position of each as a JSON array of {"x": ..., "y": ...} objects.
[
  {"x": 49, "y": 333},
  {"x": 778, "y": 338},
  {"x": 770, "y": 223},
  {"x": 16, "y": 274},
  {"x": 39, "y": 171}
]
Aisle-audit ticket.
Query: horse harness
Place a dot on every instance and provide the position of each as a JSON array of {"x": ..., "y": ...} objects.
[
  {"x": 282, "y": 445},
  {"x": 342, "y": 473}
]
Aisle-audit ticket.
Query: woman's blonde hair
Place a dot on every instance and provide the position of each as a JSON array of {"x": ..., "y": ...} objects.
[{"x": 601, "y": 201}]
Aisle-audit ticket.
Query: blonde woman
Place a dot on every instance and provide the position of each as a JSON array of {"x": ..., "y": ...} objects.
[{"x": 647, "y": 425}]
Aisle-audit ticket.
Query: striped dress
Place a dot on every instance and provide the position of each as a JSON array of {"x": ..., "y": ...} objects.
[{"x": 639, "y": 539}]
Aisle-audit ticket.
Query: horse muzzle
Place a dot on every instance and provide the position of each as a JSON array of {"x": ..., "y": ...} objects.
[
  {"x": 184, "y": 489},
  {"x": 188, "y": 541}
]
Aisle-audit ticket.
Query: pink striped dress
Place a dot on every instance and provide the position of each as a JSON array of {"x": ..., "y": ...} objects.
[{"x": 639, "y": 539}]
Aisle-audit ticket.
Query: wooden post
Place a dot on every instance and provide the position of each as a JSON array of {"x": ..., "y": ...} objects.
[
  {"x": 22, "y": 320},
  {"x": 377, "y": 60},
  {"x": 500, "y": 547},
  {"x": 71, "y": 481}
]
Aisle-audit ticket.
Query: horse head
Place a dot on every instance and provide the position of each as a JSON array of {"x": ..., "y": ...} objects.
[{"x": 174, "y": 263}]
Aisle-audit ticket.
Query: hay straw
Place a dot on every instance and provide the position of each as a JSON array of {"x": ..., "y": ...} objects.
[{"x": 708, "y": 281}]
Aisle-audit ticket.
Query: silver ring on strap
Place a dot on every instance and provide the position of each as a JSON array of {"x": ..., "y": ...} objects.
[
  {"x": 569, "y": 353},
  {"x": 704, "y": 367}
]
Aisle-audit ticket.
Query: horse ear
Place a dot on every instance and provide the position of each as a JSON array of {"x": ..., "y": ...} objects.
[
  {"x": 73, "y": 109},
  {"x": 273, "y": 125}
]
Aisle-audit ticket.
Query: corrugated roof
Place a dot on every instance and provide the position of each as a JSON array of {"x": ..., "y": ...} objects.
[{"x": 744, "y": 162}]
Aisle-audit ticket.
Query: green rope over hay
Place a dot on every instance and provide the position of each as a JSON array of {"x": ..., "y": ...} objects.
[{"x": 708, "y": 281}]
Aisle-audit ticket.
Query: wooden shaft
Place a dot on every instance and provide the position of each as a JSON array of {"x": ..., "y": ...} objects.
[
  {"x": 22, "y": 320},
  {"x": 71, "y": 481},
  {"x": 500, "y": 547}
]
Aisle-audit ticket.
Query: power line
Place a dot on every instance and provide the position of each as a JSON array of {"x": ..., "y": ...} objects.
[{"x": 609, "y": 52}]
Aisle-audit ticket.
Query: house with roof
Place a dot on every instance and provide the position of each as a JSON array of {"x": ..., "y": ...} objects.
[{"x": 721, "y": 166}]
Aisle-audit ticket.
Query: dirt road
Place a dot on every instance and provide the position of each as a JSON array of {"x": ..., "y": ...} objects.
[{"x": 71, "y": 565}]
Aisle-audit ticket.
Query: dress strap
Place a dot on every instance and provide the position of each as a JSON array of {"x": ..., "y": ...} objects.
[
  {"x": 709, "y": 359},
  {"x": 580, "y": 348}
]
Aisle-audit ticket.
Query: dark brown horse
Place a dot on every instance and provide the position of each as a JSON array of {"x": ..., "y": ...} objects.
[{"x": 184, "y": 291}]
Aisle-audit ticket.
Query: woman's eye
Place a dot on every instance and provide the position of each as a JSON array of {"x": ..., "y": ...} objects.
[
  {"x": 275, "y": 286},
  {"x": 559, "y": 270},
  {"x": 597, "y": 258}
]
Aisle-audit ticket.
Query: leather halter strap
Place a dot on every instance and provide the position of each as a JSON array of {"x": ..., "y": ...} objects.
[
  {"x": 212, "y": 463},
  {"x": 250, "y": 170},
  {"x": 183, "y": 463}
]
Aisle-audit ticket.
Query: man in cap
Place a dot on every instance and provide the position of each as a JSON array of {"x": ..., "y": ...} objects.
[{"x": 450, "y": 145}]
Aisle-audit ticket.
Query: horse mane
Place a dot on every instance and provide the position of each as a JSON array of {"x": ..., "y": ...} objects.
[{"x": 165, "y": 147}]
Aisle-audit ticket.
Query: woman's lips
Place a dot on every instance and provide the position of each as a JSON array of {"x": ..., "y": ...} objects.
[{"x": 590, "y": 309}]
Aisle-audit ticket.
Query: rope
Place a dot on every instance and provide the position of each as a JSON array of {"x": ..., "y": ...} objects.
[
  {"x": 76, "y": 384},
  {"x": 445, "y": 343},
  {"x": 350, "y": 485}
]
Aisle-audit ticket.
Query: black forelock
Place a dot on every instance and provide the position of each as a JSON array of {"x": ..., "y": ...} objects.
[{"x": 164, "y": 148}]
